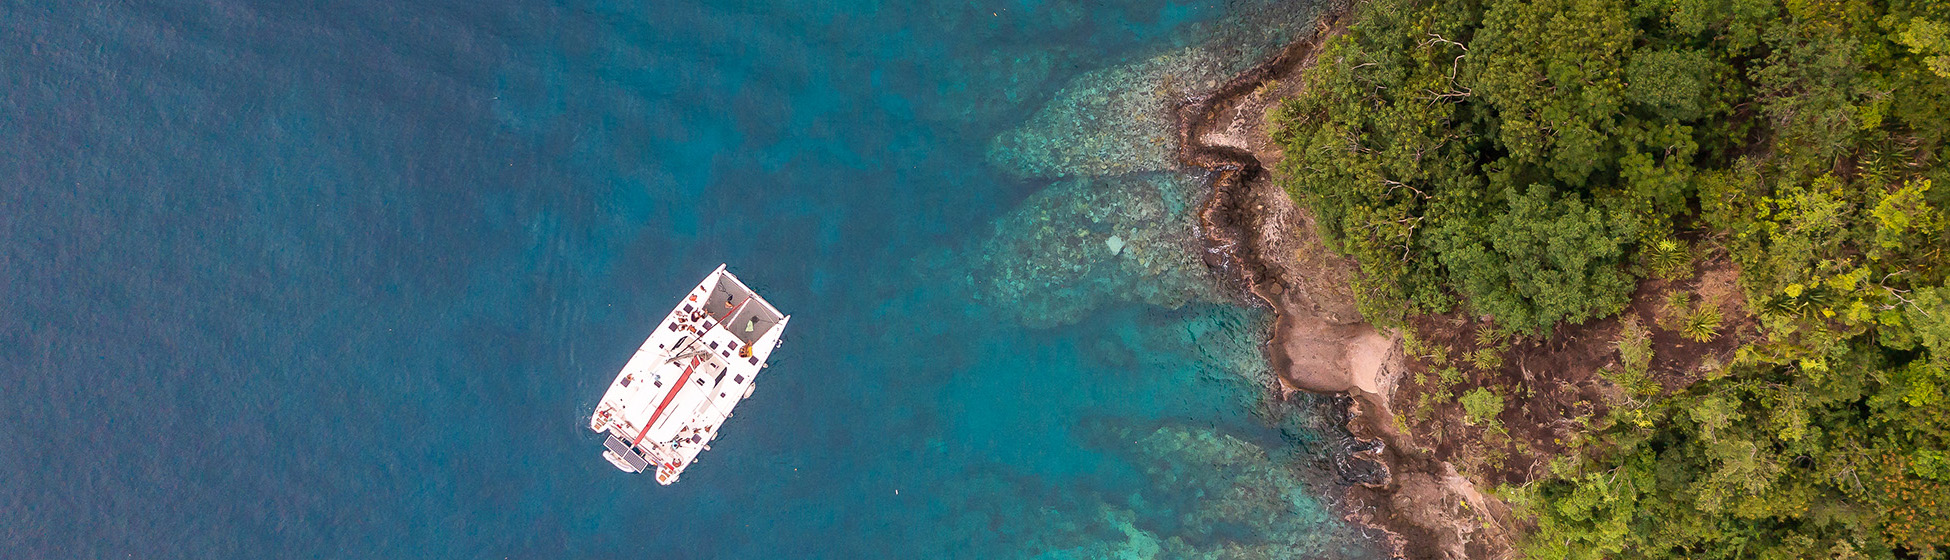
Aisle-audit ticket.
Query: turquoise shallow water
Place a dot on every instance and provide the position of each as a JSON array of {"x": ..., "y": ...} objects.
[{"x": 344, "y": 280}]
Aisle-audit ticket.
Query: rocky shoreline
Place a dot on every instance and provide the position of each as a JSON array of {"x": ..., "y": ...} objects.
[
  {"x": 1161, "y": 189},
  {"x": 1255, "y": 235}
]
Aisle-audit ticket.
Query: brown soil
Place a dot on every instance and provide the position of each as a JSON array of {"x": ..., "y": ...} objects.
[
  {"x": 1436, "y": 459},
  {"x": 1553, "y": 388}
]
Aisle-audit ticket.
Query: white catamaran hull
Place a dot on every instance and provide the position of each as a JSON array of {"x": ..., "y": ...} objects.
[{"x": 674, "y": 395}]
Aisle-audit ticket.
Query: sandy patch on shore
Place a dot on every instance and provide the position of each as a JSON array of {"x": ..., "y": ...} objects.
[{"x": 1370, "y": 355}]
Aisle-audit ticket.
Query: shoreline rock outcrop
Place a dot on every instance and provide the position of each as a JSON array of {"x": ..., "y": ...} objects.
[
  {"x": 1122, "y": 220},
  {"x": 1257, "y": 236}
]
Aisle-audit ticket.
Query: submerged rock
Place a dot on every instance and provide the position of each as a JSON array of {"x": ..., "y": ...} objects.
[
  {"x": 1046, "y": 263},
  {"x": 1251, "y": 507},
  {"x": 1267, "y": 504},
  {"x": 1243, "y": 488},
  {"x": 1108, "y": 122},
  {"x": 1119, "y": 120}
]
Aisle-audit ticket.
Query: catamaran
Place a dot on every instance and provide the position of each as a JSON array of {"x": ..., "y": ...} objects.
[{"x": 674, "y": 395}]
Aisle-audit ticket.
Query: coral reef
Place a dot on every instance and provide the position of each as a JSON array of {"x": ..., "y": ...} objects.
[
  {"x": 1116, "y": 223},
  {"x": 1119, "y": 120},
  {"x": 1121, "y": 223},
  {"x": 1252, "y": 506},
  {"x": 1108, "y": 122},
  {"x": 1079, "y": 243}
]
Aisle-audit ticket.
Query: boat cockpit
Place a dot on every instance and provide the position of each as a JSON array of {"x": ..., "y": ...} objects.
[{"x": 735, "y": 307}]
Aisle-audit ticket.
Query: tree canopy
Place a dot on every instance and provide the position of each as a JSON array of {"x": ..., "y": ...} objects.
[{"x": 1525, "y": 160}]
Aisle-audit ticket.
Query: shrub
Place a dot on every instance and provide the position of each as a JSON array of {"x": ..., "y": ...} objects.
[
  {"x": 1669, "y": 259},
  {"x": 1634, "y": 346},
  {"x": 1481, "y": 406},
  {"x": 1635, "y": 355},
  {"x": 1451, "y": 376},
  {"x": 1703, "y": 324},
  {"x": 1486, "y": 359},
  {"x": 1673, "y": 310}
]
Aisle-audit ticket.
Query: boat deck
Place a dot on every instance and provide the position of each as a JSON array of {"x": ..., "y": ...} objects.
[{"x": 671, "y": 399}]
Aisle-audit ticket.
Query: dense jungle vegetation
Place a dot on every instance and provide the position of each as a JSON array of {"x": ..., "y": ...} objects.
[{"x": 1534, "y": 161}]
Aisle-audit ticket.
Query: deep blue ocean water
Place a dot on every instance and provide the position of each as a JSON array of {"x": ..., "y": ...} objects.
[{"x": 344, "y": 279}]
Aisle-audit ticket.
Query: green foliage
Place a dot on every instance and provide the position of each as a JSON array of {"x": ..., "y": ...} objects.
[
  {"x": 1927, "y": 316},
  {"x": 1554, "y": 70},
  {"x": 1931, "y": 40},
  {"x": 1436, "y": 354},
  {"x": 1904, "y": 218},
  {"x": 1669, "y": 259},
  {"x": 1703, "y": 323},
  {"x": 1491, "y": 344},
  {"x": 1547, "y": 259},
  {"x": 1480, "y": 406},
  {"x": 1486, "y": 359},
  {"x": 1487, "y": 336},
  {"x": 1674, "y": 309},
  {"x": 1506, "y": 155},
  {"x": 1451, "y": 376},
  {"x": 1431, "y": 210},
  {"x": 1439, "y": 355},
  {"x": 1634, "y": 346}
]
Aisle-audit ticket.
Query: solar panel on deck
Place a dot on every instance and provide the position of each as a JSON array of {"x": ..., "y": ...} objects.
[{"x": 629, "y": 456}]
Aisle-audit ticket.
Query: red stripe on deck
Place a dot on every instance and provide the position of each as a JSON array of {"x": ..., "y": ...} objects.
[{"x": 667, "y": 398}]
